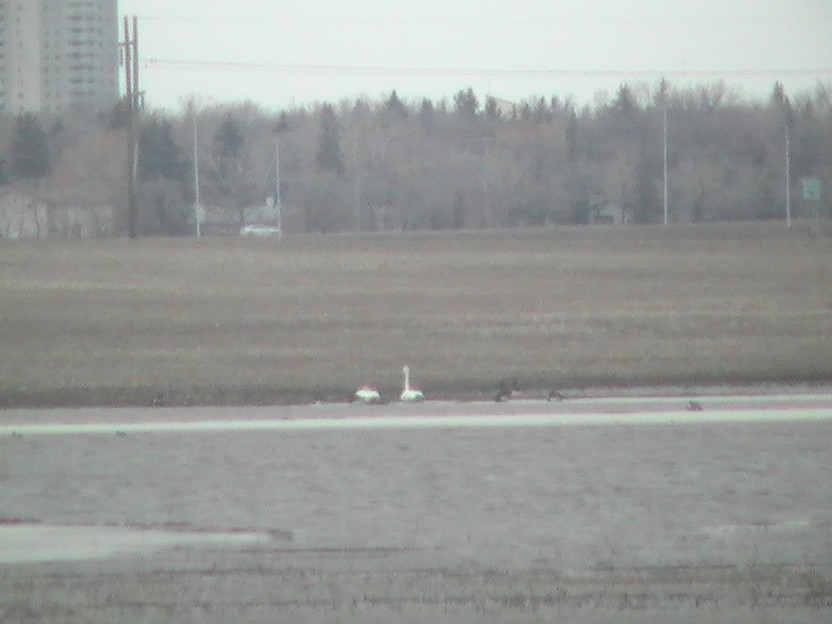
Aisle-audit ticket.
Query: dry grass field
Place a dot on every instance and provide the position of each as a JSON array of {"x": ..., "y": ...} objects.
[{"x": 241, "y": 320}]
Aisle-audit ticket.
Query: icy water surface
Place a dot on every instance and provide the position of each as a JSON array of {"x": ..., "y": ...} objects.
[
  {"x": 33, "y": 542},
  {"x": 630, "y": 411},
  {"x": 672, "y": 520}
]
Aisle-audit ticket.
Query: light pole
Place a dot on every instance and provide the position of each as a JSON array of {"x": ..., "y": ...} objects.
[
  {"x": 277, "y": 188},
  {"x": 784, "y": 113},
  {"x": 788, "y": 178},
  {"x": 357, "y": 186},
  {"x": 662, "y": 95},
  {"x": 197, "y": 207},
  {"x": 664, "y": 154}
]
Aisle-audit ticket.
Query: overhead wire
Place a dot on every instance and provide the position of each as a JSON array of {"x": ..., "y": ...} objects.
[{"x": 190, "y": 64}]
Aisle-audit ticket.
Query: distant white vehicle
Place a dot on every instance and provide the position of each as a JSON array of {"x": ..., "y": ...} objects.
[{"x": 259, "y": 230}]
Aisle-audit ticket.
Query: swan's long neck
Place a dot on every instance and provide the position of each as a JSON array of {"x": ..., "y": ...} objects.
[{"x": 406, "y": 370}]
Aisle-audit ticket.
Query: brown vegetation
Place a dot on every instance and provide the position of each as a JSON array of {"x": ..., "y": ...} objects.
[{"x": 233, "y": 321}]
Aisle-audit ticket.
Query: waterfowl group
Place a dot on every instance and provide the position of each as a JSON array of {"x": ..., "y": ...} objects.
[
  {"x": 369, "y": 394},
  {"x": 507, "y": 389}
]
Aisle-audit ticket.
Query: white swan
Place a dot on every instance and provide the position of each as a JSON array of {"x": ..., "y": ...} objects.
[
  {"x": 408, "y": 393},
  {"x": 367, "y": 394}
]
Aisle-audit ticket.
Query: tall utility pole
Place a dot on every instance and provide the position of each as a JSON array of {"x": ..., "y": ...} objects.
[
  {"x": 664, "y": 154},
  {"x": 357, "y": 186},
  {"x": 132, "y": 101},
  {"x": 662, "y": 95},
  {"x": 489, "y": 218},
  {"x": 785, "y": 114},
  {"x": 788, "y": 178},
  {"x": 197, "y": 207},
  {"x": 277, "y": 205}
]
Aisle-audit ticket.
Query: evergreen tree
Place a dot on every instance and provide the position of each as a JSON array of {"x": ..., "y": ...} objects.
[
  {"x": 624, "y": 104},
  {"x": 227, "y": 167},
  {"x": 159, "y": 154},
  {"x": 541, "y": 113},
  {"x": 782, "y": 105},
  {"x": 578, "y": 187},
  {"x": 282, "y": 123},
  {"x": 426, "y": 113},
  {"x": 329, "y": 156},
  {"x": 29, "y": 150},
  {"x": 395, "y": 105},
  {"x": 233, "y": 177},
  {"x": 662, "y": 94},
  {"x": 466, "y": 103},
  {"x": 229, "y": 139},
  {"x": 778, "y": 96},
  {"x": 117, "y": 117},
  {"x": 163, "y": 194},
  {"x": 572, "y": 130},
  {"x": 645, "y": 200},
  {"x": 492, "y": 110}
]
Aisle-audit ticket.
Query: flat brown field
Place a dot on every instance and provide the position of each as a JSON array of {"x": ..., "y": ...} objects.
[{"x": 239, "y": 320}]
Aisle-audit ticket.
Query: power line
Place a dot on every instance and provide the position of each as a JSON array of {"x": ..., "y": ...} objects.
[
  {"x": 493, "y": 72},
  {"x": 543, "y": 23}
]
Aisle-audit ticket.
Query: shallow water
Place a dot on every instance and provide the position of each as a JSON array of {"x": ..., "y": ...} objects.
[
  {"x": 373, "y": 517},
  {"x": 629, "y": 411},
  {"x": 29, "y": 543}
]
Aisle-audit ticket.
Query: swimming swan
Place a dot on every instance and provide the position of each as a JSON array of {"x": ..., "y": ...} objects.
[
  {"x": 408, "y": 393},
  {"x": 367, "y": 394}
]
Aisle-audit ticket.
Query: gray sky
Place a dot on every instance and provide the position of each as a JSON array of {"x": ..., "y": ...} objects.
[{"x": 283, "y": 52}]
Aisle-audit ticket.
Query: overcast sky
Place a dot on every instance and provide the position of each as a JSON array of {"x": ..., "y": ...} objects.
[{"x": 280, "y": 53}]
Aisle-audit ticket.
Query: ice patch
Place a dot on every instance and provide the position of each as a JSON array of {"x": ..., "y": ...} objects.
[
  {"x": 785, "y": 526},
  {"x": 33, "y": 543}
]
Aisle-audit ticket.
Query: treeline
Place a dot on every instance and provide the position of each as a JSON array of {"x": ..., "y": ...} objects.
[{"x": 463, "y": 163}]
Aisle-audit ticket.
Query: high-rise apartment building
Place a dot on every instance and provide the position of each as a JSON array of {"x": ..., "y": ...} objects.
[{"x": 58, "y": 55}]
